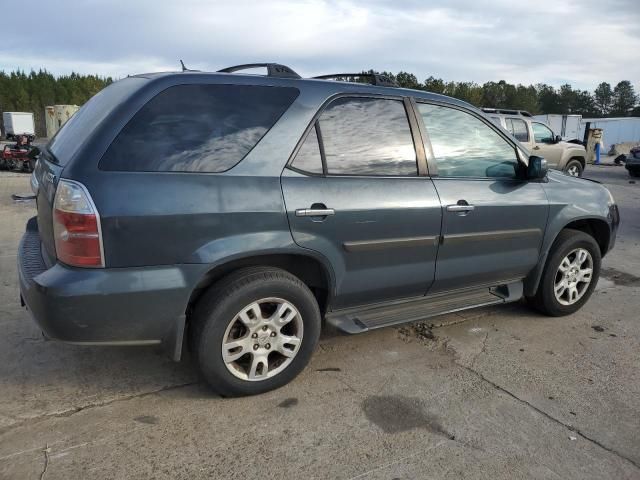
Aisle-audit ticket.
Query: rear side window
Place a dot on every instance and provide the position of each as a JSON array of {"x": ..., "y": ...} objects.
[
  {"x": 197, "y": 128},
  {"x": 367, "y": 136},
  {"x": 518, "y": 128}
]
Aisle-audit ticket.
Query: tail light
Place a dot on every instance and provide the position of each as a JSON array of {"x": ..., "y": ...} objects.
[{"x": 76, "y": 226}]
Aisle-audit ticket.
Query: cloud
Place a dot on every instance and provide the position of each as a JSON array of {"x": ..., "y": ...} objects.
[{"x": 579, "y": 42}]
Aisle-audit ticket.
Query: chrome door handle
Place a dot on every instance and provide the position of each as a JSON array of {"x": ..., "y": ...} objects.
[
  {"x": 460, "y": 208},
  {"x": 536, "y": 148},
  {"x": 314, "y": 212}
]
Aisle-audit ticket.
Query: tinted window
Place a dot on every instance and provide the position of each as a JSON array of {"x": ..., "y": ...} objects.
[
  {"x": 541, "y": 133},
  {"x": 308, "y": 157},
  {"x": 367, "y": 136},
  {"x": 197, "y": 128},
  {"x": 464, "y": 146},
  {"x": 518, "y": 128},
  {"x": 69, "y": 138}
]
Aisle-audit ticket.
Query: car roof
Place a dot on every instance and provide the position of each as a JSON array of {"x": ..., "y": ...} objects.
[{"x": 330, "y": 87}]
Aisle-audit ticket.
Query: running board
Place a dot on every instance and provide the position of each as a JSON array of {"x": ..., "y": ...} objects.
[{"x": 358, "y": 320}]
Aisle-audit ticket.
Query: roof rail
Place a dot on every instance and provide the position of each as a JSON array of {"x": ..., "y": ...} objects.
[
  {"x": 273, "y": 69},
  {"x": 376, "y": 78},
  {"x": 506, "y": 111}
]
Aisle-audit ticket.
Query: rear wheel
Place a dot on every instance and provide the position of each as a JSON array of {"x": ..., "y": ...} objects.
[
  {"x": 574, "y": 168},
  {"x": 254, "y": 331},
  {"x": 570, "y": 274}
]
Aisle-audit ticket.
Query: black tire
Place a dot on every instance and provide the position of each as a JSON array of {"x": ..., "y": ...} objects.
[
  {"x": 220, "y": 305},
  {"x": 634, "y": 173},
  {"x": 574, "y": 163},
  {"x": 544, "y": 299}
]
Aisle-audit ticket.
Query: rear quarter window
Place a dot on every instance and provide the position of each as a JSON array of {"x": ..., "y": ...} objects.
[
  {"x": 66, "y": 142},
  {"x": 197, "y": 128}
]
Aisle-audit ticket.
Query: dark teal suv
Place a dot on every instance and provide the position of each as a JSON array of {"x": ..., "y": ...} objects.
[{"x": 238, "y": 213}]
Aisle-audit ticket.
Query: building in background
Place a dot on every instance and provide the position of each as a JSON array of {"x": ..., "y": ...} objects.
[
  {"x": 616, "y": 131},
  {"x": 56, "y": 116}
]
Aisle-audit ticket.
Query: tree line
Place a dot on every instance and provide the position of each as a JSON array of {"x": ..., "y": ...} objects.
[
  {"x": 32, "y": 92},
  {"x": 604, "y": 101}
]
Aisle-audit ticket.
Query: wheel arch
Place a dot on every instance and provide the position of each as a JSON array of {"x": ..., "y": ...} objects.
[
  {"x": 314, "y": 272},
  {"x": 596, "y": 227}
]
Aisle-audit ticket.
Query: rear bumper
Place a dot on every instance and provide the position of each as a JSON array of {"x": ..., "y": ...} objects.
[{"x": 123, "y": 306}]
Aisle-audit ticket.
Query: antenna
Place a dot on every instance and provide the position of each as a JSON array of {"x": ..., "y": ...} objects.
[{"x": 184, "y": 69}]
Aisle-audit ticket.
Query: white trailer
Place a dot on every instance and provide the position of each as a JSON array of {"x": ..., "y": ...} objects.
[
  {"x": 569, "y": 127},
  {"x": 18, "y": 123}
]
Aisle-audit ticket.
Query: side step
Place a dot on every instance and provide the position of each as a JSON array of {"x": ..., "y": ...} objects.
[{"x": 357, "y": 320}]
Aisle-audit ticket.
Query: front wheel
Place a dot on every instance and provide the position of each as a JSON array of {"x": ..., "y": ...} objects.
[
  {"x": 574, "y": 168},
  {"x": 254, "y": 331},
  {"x": 570, "y": 274}
]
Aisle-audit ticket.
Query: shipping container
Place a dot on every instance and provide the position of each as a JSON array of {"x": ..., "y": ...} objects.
[{"x": 56, "y": 116}]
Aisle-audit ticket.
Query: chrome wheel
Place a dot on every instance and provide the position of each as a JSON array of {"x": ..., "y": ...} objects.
[
  {"x": 262, "y": 339},
  {"x": 573, "y": 170},
  {"x": 573, "y": 276}
]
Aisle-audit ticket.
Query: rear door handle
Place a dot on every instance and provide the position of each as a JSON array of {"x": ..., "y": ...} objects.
[
  {"x": 460, "y": 208},
  {"x": 314, "y": 212}
]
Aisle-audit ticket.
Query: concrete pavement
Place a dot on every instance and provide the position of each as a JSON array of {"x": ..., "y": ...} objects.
[{"x": 500, "y": 392}]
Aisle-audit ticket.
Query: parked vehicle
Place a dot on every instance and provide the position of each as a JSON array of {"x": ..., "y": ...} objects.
[
  {"x": 20, "y": 155},
  {"x": 632, "y": 162},
  {"x": 538, "y": 138},
  {"x": 244, "y": 211},
  {"x": 18, "y": 124}
]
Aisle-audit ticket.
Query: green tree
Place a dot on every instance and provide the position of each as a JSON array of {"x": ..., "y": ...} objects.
[
  {"x": 35, "y": 91},
  {"x": 603, "y": 97},
  {"x": 624, "y": 98},
  {"x": 407, "y": 80},
  {"x": 435, "y": 85}
]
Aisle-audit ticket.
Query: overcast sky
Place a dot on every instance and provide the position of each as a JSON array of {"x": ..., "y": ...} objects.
[{"x": 581, "y": 42}]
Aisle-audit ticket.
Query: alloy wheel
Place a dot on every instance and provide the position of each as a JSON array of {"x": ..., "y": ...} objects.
[
  {"x": 262, "y": 339},
  {"x": 573, "y": 276}
]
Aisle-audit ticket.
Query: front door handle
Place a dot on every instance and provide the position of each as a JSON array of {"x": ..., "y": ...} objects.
[
  {"x": 536, "y": 148},
  {"x": 314, "y": 212},
  {"x": 460, "y": 208}
]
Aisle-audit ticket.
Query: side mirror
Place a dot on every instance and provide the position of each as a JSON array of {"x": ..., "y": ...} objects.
[
  {"x": 558, "y": 139},
  {"x": 537, "y": 168}
]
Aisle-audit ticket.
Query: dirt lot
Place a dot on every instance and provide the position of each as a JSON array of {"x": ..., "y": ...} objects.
[{"x": 494, "y": 393}]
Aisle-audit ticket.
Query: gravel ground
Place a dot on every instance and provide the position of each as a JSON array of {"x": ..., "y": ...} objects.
[{"x": 495, "y": 393}]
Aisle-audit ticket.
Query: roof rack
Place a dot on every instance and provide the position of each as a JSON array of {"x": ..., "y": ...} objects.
[
  {"x": 506, "y": 111},
  {"x": 376, "y": 78},
  {"x": 273, "y": 69}
]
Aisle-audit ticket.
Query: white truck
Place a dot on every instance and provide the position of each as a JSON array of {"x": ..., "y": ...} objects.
[{"x": 18, "y": 124}]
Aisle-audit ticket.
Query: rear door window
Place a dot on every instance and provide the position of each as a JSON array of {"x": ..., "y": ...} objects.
[
  {"x": 518, "y": 128},
  {"x": 308, "y": 158},
  {"x": 367, "y": 136},
  {"x": 197, "y": 128}
]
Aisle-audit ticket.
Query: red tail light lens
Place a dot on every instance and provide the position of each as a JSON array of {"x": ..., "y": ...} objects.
[{"x": 76, "y": 226}]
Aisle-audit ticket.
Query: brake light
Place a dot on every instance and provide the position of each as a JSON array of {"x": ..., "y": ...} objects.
[{"x": 76, "y": 226}]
